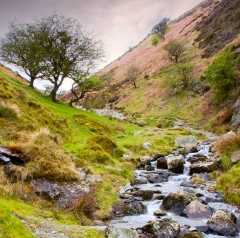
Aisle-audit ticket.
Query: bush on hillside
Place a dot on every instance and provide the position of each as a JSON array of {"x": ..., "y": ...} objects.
[
  {"x": 222, "y": 74},
  {"x": 155, "y": 39},
  {"x": 175, "y": 50},
  {"x": 185, "y": 72}
]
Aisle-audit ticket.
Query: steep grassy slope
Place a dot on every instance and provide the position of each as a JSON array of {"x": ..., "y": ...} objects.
[{"x": 56, "y": 141}]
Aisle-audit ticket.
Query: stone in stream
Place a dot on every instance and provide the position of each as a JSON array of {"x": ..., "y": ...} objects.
[
  {"x": 145, "y": 194},
  {"x": 158, "y": 177},
  {"x": 223, "y": 223},
  {"x": 139, "y": 180},
  {"x": 177, "y": 202},
  {"x": 192, "y": 234},
  {"x": 197, "y": 158},
  {"x": 187, "y": 142},
  {"x": 128, "y": 207},
  {"x": 116, "y": 232},
  {"x": 203, "y": 167},
  {"x": 162, "y": 163},
  {"x": 175, "y": 163},
  {"x": 164, "y": 228},
  {"x": 196, "y": 209},
  {"x": 160, "y": 213}
]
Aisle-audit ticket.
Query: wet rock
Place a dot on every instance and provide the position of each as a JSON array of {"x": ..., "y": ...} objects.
[
  {"x": 157, "y": 156},
  {"x": 175, "y": 163},
  {"x": 160, "y": 213},
  {"x": 7, "y": 156},
  {"x": 117, "y": 232},
  {"x": 128, "y": 207},
  {"x": 139, "y": 180},
  {"x": 62, "y": 194},
  {"x": 196, "y": 209},
  {"x": 192, "y": 234},
  {"x": 177, "y": 202},
  {"x": 235, "y": 157},
  {"x": 158, "y": 177},
  {"x": 145, "y": 194},
  {"x": 149, "y": 168},
  {"x": 165, "y": 228},
  {"x": 198, "y": 158},
  {"x": 186, "y": 142},
  {"x": 162, "y": 163},
  {"x": 205, "y": 167},
  {"x": 158, "y": 196},
  {"x": 223, "y": 223}
]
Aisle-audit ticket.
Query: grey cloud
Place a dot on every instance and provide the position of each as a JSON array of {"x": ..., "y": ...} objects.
[{"x": 118, "y": 23}]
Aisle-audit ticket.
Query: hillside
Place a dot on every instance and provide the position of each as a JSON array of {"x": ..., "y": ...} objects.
[
  {"x": 155, "y": 99},
  {"x": 174, "y": 151},
  {"x": 59, "y": 144}
]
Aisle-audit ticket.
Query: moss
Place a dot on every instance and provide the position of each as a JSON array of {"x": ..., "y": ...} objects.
[{"x": 229, "y": 184}]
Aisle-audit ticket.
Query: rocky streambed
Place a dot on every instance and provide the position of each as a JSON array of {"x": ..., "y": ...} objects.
[{"x": 172, "y": 197}]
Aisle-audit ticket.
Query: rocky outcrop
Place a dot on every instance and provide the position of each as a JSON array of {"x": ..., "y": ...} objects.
[
  {"x": 223, "y": 223},
  {"x": 177, "y": 202},
  {"x": 165, "y": 228},
  {"x": 63, "y": 194}
]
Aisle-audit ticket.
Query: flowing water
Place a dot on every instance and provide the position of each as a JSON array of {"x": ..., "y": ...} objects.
[{"x": 174, "y": 184}]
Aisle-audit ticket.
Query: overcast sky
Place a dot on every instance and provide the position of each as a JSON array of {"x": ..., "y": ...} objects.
[{"x": 119, "y": 24}]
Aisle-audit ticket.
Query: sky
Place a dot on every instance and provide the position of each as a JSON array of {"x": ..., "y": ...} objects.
[{"x": 119, "y": 24}]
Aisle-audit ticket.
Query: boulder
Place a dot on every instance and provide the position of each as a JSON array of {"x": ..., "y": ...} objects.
[
  {"x": 63, "y": 194},
  {"x": 186, "y": 142},
  {"x": 235, "y": 157},
  {"x": 192, "y": 234},
  {"x": 158, "y": 177},
  {"x": 223, "y": 223},
  {"x": 128, "y": 207},
  {"x": 164, "y": 228},
  {"x": 139, "y": 180},
  {"x": 203, "y": 167},
  {"x": 177, "y": 202},
  {"x": 145, "y": 194},
  {"x": 116, "y": 232},
  {"x": 162, "y": 163},
  {"x": 196, "y": 209},
  {"x": 197, "y": 158},
  {"x": 7, "y": 156},
  {"x": 175, "y": 163},
  {"x": 160, "y": 213}
]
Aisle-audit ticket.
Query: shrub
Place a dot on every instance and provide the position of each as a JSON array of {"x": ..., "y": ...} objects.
[
  {"x": 46, "y": 159},
  {"x": 186, "y": 74},
  {"x": 85, "y": 206},
  {"x": 222, "y": 74},
  {"x": 155, "y": 39},
  {"x": 175, "y": 50}
]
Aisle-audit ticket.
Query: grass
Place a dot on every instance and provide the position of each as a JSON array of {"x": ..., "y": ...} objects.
[{"x": 57, "y": 139}]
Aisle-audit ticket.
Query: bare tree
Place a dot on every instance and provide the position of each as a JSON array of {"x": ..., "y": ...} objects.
[
  {"x": 83, "y": 83},
  {"x": 132, "y": 75},
  {"x": 175, "y": 50},
  {"x": 67, "y": 50},
  {"x": 21, "y": 47}
]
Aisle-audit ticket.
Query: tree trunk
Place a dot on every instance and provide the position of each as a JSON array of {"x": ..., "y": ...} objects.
[{"x": 31, "y": 84}]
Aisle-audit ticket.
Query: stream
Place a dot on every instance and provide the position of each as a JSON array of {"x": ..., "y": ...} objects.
[{"x": 126, "y": 226}]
